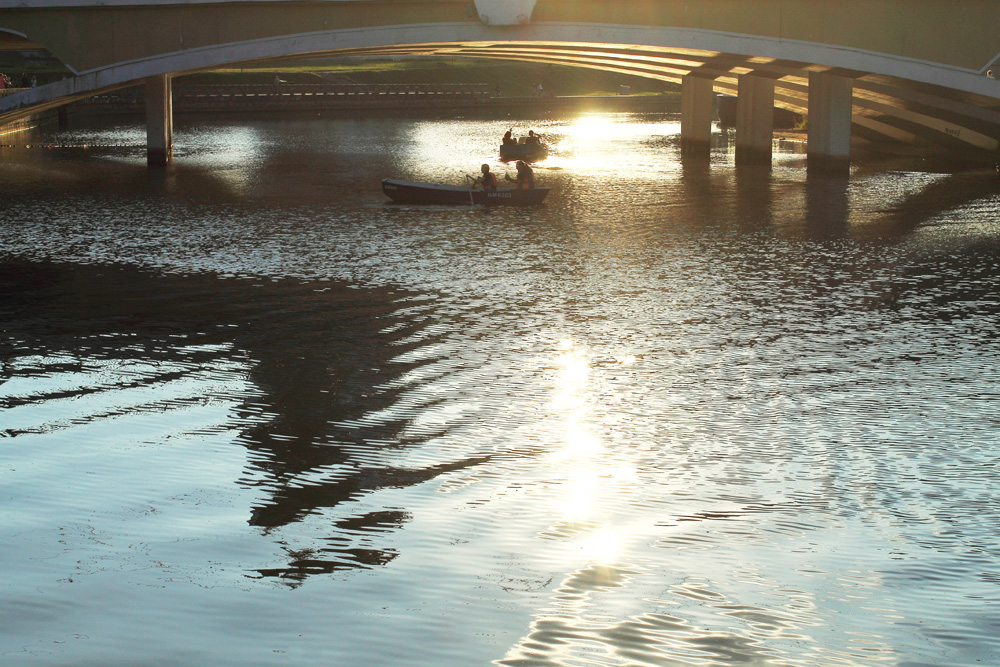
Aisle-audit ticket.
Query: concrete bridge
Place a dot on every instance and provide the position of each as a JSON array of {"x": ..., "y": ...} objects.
[{"x": 898, "y": 69}]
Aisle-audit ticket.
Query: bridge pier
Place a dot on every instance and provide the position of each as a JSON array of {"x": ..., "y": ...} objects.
[
  {"x": 159, "y": 120},
  {"x": 697, "y": 96},
  {"x": 830, "y": 104},
  {"x": 754, "y": 119}
]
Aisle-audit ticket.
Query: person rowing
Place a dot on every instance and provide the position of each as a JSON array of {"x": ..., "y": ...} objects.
[{"x": 488, "y": 180}]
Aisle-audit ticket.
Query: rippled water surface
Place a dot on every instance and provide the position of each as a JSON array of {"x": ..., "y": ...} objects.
[{"x": 681, "y": 414}]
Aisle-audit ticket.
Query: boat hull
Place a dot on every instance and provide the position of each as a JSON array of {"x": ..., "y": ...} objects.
[
  {"x": 525, "y": 152},
  {"x": 408, "y": 192}
]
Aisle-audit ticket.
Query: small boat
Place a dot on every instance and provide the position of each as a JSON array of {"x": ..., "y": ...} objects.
[
  {"x": 408, "y": 192},
  {"x": 526, "y": 152}
]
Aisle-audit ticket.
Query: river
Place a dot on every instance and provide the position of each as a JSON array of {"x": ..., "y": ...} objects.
[{"x": 681, "y": 414}]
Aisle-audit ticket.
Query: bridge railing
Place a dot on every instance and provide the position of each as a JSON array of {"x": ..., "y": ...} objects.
[
  {"x": 299, "y": 95},
  {"x": 388, "y": 93}
]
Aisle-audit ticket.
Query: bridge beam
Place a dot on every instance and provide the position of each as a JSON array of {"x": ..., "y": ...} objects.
[
  {"x": 754, "y": 119},
  {"x": 697, "y": 96},
  {"x": 159, "y": 120},
  {"x": 830, "y": 103}
]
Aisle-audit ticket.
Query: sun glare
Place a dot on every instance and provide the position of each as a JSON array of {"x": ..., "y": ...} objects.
[
  {"x": 570, "y": 402},
  {"x": 587, "y": 142},
  {"x": 601, "y": 546},
  {"x": 593, "y": 481}
]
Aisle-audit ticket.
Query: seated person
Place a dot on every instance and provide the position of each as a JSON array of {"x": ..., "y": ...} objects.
[
  {"x": 525, "y": 176},
  {"x": 507, "y": 139},
  {"x": 533, "y": 138},
  {"x": 488, "y": 180}
]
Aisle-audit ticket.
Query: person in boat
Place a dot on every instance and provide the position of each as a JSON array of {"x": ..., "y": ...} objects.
[
  {"x": 533, "y": 139},
  {"x": 507, "y": 138},
  {"x": 525, "y": 176},
  {"x": 488, "y": 180}
]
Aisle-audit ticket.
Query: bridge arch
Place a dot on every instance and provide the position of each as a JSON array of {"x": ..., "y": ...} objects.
[{"x": 893, "y": 95}]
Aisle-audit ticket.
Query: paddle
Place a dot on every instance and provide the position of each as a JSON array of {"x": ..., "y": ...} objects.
[{"x": 470, "y": 181}]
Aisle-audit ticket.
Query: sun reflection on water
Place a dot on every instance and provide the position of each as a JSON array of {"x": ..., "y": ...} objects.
[
  {"x": 591, "y": 482},
  {"x": 570, "y": 402},
  {"x": 236, "y": 156},
  {"x": 601, "y": 546},
  {"x": 586, "y": 144}
]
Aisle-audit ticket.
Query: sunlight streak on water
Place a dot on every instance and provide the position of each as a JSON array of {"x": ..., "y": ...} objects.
[{"x": 570, "y": 401}]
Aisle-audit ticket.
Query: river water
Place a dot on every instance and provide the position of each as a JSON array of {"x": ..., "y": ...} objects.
[{"x": 681, "y": 414}]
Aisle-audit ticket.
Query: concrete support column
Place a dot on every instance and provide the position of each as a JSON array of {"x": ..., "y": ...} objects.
[
  {"x": 754, "y": 119},
  {"x": 830, "y": 99},
  {"x": 159, "y": 120},
  {"x": 697, "y": 97}
]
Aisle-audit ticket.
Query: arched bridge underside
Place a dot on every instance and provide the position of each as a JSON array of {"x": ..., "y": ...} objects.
[{"x": 913, "y": 70}]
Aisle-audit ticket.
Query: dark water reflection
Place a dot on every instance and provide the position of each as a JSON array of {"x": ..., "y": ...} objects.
[
  {"x": 683, "y": 413},
  {"x": 88, "y": 313}
]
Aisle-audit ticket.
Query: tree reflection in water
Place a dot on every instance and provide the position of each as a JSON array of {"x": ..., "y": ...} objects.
[{"x": 322, "y": 355}]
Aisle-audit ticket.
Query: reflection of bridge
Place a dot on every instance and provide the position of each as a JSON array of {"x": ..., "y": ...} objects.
[{"x": 858, "y": 66}]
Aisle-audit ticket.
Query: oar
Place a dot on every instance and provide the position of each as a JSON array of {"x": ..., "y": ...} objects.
[{"x": 470, "y": 180}]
